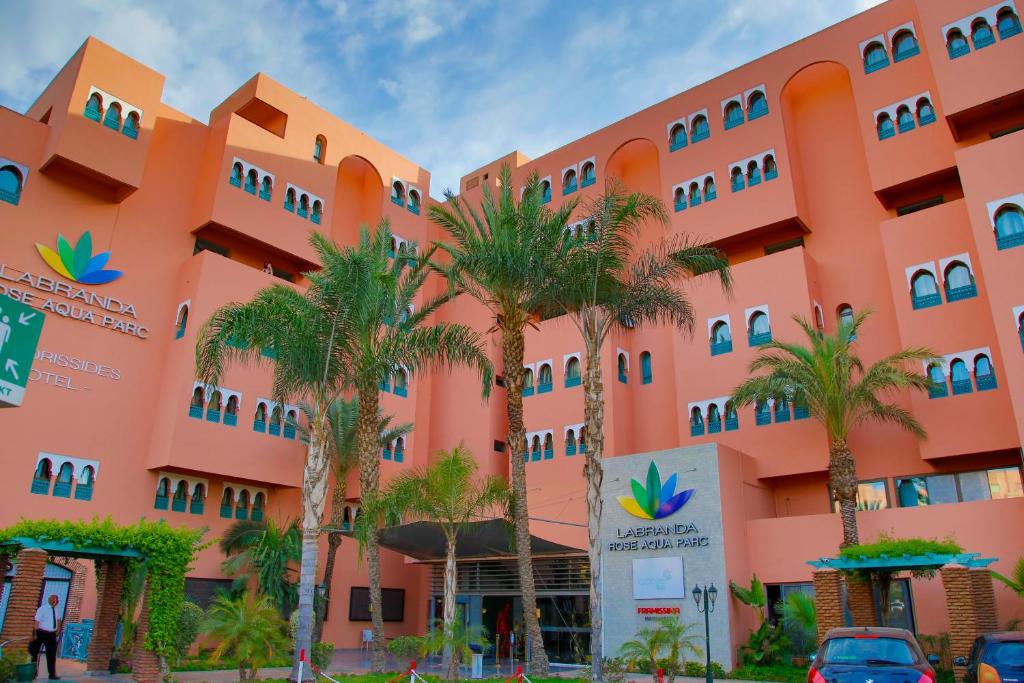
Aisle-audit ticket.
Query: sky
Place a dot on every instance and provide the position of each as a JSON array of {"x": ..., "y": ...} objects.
[{"x": 450, "y": 84}]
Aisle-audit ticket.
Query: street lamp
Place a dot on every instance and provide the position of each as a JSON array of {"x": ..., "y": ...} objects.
[{"x": 709, "y": 593}]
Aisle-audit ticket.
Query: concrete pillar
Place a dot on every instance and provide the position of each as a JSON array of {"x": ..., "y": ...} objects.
[
  {"x": 145, "y": 664},
  {"x": 984, "y": 596},
  {"x": 861, "y": 600},
  {"x": 828, "y": 601},
  {"x": 110, "y": 581},
  {"x": 26, "y": 589},
  {"x": 963, "y": 624}
]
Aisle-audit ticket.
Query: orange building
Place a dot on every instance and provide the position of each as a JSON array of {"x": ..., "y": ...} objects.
[{"x": 876, "y": 164}]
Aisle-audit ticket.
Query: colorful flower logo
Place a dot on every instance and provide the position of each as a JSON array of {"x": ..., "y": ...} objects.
[
  {"x": 78, "y": 264},
  {"x": 657, "y": 500}
]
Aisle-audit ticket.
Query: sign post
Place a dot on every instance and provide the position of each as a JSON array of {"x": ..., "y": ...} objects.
[{"x": 20, "y": 327}]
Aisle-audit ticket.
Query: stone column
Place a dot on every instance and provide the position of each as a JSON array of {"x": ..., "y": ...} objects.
[
  {"x": 963, "y": 625},
  {"x": 984, "y": 596},
  {"x": 828, "y": 601},
  {"x": 73, "y": 607},
  {"x": 861, "y": 599},
  {"x": 110, "y": 581},
  {"x": 26, "y": 589},
  {"x": 145, "y": 664}
]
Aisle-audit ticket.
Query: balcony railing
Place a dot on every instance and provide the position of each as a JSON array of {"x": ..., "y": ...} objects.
[
  {"x": 714, "y": 426},
  {"x": 732, "y": 424},
  {"x": 696, "y": 428},
  {"x": 962, "y": 386},
  {"x": 718, "y": 348},
  {"x": 960, "y": 293},
  {"x": 83, "y": 492},
  {"x": 984, "y": 382},
  {"x": 573, "y": 382},
  {"x": 759, "y": 339},
  {"x": 926, "y": 301}
]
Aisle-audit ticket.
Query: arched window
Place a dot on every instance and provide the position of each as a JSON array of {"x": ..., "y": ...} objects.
[
  {"x": 733, "y": 115},
  {"x": 259, "y": 422},
  {"x": 180, "y": 501},
  {"x": 535, "y": 449},
  {"x": 956, "y": 44},
  {"x": 319, "y": 149},
  {"x": 163, "y": 494},
  {"x": 924, "y": 291},
  {"x": 266, "y": 188},
  {"x": 984, "y": 377},
  {"x": 875, "y": 57},
  {"x": 732, "y": 420},
  {"x": 694, "y": 194},
  {"x": 782, "y": 410},
  {"x": 572, "y": 372},
  {"x": 677, "y": 137},
  {"x": 227, "y": 503},
  {"x": 1008, "y": 23},
  {"x": 213, "y": 407},
  {"x": 303, "y": 211},
  {"x": 760, "y": 332},
  {"x": 401, "y": 382},
  {"x": 591, "y": 230},
  {"x": 131, "y": 126},
  {"x": 959, "y": 282},
  {"x": 231, "y": 411},
  {"x": 527, "y": 382},
  {"x": 736, "y": 178},
  {"x": 251, "y": 181},
  {"x": 622, "y": 367},
  {"x": 753, "y": 174},
  {"x": 195, "y": 408},
  {"x": 62, "y": 485},
  {"x": 291, "y": 422},
  {"x": 318, "y": 210},
  {"x": 242, "y": 506},
  {"x": 414, "y": 201},
  {"x": 844, "y": 316},
  {"x": 960, "y": 376},
  {"x": 386, "y": 451},
  {"x": 709, "y": 189},
  {"x": 757, "y": 105},
  {"x": 258, "y": 503},
  {"x": 181, "y": 323},
  {"x": 570, "y": 442},
  {"x": 236, "y": 175},
  {"x": 399, "y": 449},
  {"x": 10, "y": 185},
  {"x": 925, "y": 112},
  {"x": 696, "y": 422},
  {"x": 1009, "y": 226},
  {"x": 346, "y": 518},
  {"x": 94, "y": 107},
  {"x": 398, "y": 193},
  {"x": 544, "y": 379},
  {"x": 904, "y": 45},
  {"x": 112, "y": 119},
  {"x": 819, "y": 319},
  {"x": 885, "y": 126},
  {"x": 762, "y": 413},
  {"x": 289, "y": 199},
  {"x": 714, "y": 419},
  {"x": 198, "y": 501},
  {"x": 904, "y": 118},
  {"x": 549, "y": 447},
  {"x": 545, "y": 191},
  {"x": 679, "y": 197},
  {"x": 646, "y": 372},
  {"x": 569, "y": 184},
  {"x": 588, "y": 174},
  {"x": 721, "y": 338},
  {"x": 981, "y": 34},
  {"x": 274, "y": 428},
  {"x": 771, "y": 170},
  {"x": 41, "y": 478},
  {"x": 699, "y": 129},
  {"x": 938, "y": 387},
  {"x": 83, "y": 487}
]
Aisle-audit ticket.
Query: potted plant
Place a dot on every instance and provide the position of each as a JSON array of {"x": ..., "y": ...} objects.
[{"x": 24, "y": 668}]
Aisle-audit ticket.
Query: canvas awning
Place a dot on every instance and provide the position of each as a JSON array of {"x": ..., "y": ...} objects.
[{"x": 492, "y": 538}]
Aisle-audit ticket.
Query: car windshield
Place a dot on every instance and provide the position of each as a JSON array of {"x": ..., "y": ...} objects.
[
  {"x": 1006, "y": 653},
  {"x": 868, "y": 650}
]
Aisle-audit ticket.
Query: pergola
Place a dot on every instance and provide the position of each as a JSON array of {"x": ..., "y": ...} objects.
[
  {"x": 111, "y": 564},
  {"x": 970, "y": 596}
]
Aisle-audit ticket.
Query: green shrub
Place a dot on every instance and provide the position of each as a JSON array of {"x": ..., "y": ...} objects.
[
  {"x": 322, "y": 653},
  {"x": 10, "y": 660},
  {"x": 190, "y": 619},
  {"x": 405, "y": 646},
  {"x": 699, "y": 670},
  {"x": 615, "y": 670},
  {"x": 781, "y": 673}
]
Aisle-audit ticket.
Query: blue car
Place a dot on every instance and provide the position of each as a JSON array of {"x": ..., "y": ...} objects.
[
  {"x": 870, "y": 655},
  {"x": 995, "y": 658}
]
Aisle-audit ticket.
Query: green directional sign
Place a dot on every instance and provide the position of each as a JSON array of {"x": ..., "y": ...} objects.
[{"x": 20, "y": 326}]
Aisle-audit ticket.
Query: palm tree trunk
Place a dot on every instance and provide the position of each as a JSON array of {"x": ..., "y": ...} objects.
[
  {"x": 334, "y": 539},
  {"x": 451, "y": 663},
  {"x": 842, "y": 473},
  {"x": 513, "y": 346},
  {"x": 314, "y": 499},
  {"x": 368, "y": 447},
  {"x": 593, "y": 416}
]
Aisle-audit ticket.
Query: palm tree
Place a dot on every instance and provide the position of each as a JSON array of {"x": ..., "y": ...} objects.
[
  {"x": 342, "y": 416},
  {"x": 754, "y": 597},
  {"x": 1016, "y": 581},
  {"x": 304, "y": 336},
  {"x": 248, "y": 629},
  {"x": 448, "y": 493},
  {"x": 645, "y": 649},
  {"x": 680, "y": 641},
  {"x": 828, "y": 378},
  {"x": 388, "y": 335},
  {"x": 604, "y": 286},
  {"x": 270, "y": 552},
  {"x": 504, "y": 256}
]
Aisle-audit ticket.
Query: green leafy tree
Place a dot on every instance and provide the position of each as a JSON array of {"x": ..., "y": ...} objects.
[
  {"x": 754, "y": 597},
  {"x": 455, "y": 643},
  {"x": 828, "y": 378},
  {"x": 643, "y": 651},
  {"x": 504, "y": 255},
  {"x": 680, "y": 640},
  {"x": 190, "y": 621},
  {"x": 800, "y": 620},
  {"x": 248, "y": 629},
  {"x": 1015, "y": 582},
  {"x": 449, "y": 493},
  {"x": 267, "y": 551},
  {"x": 605, "y": 285}
]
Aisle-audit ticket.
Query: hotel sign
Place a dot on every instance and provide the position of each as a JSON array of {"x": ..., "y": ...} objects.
[{"x": 20, "y": 327}]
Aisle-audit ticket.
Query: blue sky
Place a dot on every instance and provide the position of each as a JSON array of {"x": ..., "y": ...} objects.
[{"x": 451, "y": 84}]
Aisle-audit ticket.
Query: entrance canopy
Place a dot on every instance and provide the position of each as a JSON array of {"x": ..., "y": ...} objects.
[
  {"x": 425, "y": 541},
  {"x": 66, "y": 548},
  {"x": 908, "y": 562}
]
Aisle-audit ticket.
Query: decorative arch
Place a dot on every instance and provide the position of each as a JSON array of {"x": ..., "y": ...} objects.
[
  {"x": 320, "y": 149},
  {"x": 358, "y": 198}
]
